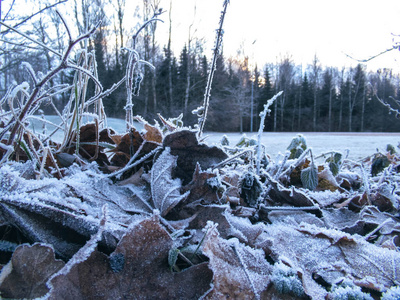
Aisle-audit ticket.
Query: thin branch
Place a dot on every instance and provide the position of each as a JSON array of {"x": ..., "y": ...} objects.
[
  {"x": 207, "y": 94},
  {"x": 85, "y": 71},
  {"x": 153, "y": 18},
  {"x": 31, "y": 16},
  {"x": 105, "y": 93},
  {"x": 65, "y": 24},
  {"x": 372, "y": 57},
  {"x": 32, "y": 101},
  {"x": 30, "y": 39},
  {"x": 11, "y": 6}
]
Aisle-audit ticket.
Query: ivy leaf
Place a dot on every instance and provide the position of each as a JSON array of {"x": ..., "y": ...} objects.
[{"x": 309, "y": 177}]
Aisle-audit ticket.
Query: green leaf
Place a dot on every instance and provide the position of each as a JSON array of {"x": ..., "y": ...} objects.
[
  {"x": 173, "y": 257},
  {"x": 334, "y": 167},
  {"x": 337, "y": 157},
  {"x": 224, "y": 140},
  {"x": 243, "y": 142},
  {"x": 309, "y": 177},
  {"x": 23, "y": 146},
  {"x": 297, "y": 146},
  {"x": 379, "y": 163},
  {"x": 390, "y": 148}
]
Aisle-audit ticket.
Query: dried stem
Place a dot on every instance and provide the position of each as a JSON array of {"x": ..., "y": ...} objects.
[
  {"x": 207, "y": 94},
  {"x": 32, "y": 101}
]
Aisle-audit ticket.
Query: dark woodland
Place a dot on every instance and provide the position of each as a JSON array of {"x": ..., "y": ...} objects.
[{"x": 315, "y": 97}]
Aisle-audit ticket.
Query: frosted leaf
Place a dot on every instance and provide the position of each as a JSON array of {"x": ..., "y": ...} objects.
[
  {"x": 71, "y": 206},
  {"x": 164, "y": 189},
  {"x": 243, "y": 229},
  {"x": 325, "y": 198},
  {"x": 295, "y": 217},
  {"x": 26, "y": 274},
  {"x": 240, "y": 272},
  {"x": 392, "y": 294},
  {"x": 332, "y": 254},
  {"x": 137, "y": 268},
  {"x": 349, "y": 292},
  {"x": 224, "y": 140},
  {"x": 387, "y": 222},
  {"x": 309, "y": 177},
  {"x": 292, "y": 195},
  {"x": 286, "y": 280},
  {"x": 342, "y": 219}
]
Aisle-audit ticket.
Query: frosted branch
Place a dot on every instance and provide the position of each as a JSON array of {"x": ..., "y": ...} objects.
[{"x": 263, "y": 114}]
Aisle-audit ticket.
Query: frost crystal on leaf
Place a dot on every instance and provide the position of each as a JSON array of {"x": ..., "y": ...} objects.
[
  {"x": 286, "y": 281},
  {"x": 165, "y": 189},
  {"x": 392, "y": 294}
]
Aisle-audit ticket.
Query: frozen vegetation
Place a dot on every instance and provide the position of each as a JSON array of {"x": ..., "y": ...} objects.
[{"x": 93, "y": 210}]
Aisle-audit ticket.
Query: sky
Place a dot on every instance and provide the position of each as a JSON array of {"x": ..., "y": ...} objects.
[{"x": 268, "y": 31}]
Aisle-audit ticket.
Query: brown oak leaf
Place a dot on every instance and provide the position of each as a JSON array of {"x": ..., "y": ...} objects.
[
  {"x": 137, "y": 269},
  {"x": 26, "y": 274}
]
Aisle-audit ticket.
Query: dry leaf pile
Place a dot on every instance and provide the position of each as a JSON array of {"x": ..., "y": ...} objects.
[{"x": 150, "y": 215}]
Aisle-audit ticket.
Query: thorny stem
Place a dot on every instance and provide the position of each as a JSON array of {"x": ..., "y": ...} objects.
[
  {"x": 207, "y": 94},
  {"x": 63, "y": 65}
]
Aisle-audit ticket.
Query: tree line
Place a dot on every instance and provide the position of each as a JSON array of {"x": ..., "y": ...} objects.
[{"x": 315, "y": 98}]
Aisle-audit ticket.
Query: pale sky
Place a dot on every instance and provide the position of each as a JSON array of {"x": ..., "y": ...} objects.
[{"x": 298, "y": 28}]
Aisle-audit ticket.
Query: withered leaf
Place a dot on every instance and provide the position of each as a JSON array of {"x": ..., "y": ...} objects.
[
  {"x": 292, "y": 196},
  {"x": 240, "y": 272},
  {"x": 26, "y": 274},
  {"x": 152, "y": 134},
  {"x": 184, "y": 144},
  {"x": 165, "y": 191},
  {"x": 332, "y": 255},
  {"x": 63, "y": 212},
  {"x": 130, "y": 143},
  {"x": 200, "y": 189},
  {"x": 138, "y": 268}
]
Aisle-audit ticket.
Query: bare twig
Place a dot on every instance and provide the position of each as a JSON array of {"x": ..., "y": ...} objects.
[
  {"x": 32, "y": 101},
  {"x": 207, "y": 94},
  {"x": 65, "y": 25},
  {"x": 30, "y": 39},
  {"x": 153, "y": 19},
  {"x": 31, "y": 16},
  {"x": 372, "y": 57},
  {"x": 263, "y": 114}
]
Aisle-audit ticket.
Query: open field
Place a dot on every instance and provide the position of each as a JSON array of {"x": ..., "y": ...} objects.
[{"x": 359, "y": 144}]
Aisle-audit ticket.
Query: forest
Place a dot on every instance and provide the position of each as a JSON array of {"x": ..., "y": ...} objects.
[{"x": 315, "y": 97}]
